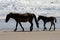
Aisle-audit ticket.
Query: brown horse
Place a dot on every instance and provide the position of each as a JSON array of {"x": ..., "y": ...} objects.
[
  {"x": 22, "y": 18},
  {"x": 47, "y": 19}
]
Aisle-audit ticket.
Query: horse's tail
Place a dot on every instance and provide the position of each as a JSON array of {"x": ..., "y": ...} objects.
[
  {"x": 36, "y": 20},
  {"x": 55, "y": 20}
]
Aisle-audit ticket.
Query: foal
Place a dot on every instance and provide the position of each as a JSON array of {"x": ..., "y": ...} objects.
[{"x": 47, "y": 19}]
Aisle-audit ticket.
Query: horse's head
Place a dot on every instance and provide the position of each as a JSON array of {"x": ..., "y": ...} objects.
[
  {"x": 8, "y": 17},
  {"x": 40, "y": 17}
]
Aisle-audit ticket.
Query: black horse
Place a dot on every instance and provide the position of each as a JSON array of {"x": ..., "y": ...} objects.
[
  {"x": 47, "y": 19},
  {"x": 22, "y": 18}
]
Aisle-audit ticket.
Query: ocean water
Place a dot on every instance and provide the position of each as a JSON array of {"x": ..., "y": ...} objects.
[{"x": 11, "y": 24}]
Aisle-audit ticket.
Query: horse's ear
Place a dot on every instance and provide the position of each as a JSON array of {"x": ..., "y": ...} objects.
[{"x": 11, "y": 13}]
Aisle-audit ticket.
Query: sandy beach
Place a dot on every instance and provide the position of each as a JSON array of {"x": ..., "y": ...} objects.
[{"x": 34, "y": 35}]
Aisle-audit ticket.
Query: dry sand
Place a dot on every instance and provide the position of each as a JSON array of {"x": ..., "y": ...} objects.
[{"x": 34, "y": 35}]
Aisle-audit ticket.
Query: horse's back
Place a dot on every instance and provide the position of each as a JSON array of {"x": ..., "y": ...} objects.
[{"x": 52, "y": 17}]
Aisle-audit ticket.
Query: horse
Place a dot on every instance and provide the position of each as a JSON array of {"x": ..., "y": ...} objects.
[
  {"x": 45, "y": 19},
  {"x": 25, "y": 17}
]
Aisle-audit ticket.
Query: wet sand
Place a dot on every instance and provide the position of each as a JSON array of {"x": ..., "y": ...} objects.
[{"x": 34, "y": 35}]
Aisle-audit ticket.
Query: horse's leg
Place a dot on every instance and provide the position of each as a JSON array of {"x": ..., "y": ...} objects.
[
  {"x": 44, "y": 27},
  {"x": 50, "y": 26},
  {"x": 31, "y": 27},
  {"x": 54, "y": 26},
  {"x": 21, "y": 26},
  {"x": 16, "y": 26}
]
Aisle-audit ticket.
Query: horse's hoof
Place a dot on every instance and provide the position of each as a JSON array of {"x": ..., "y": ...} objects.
[
  {"x": 43, "y": 30},
  {"x": 14, "y": 30},
  {"x": 49, "y": 30},
  {"x": 46, "y": 29},
  {"x": 30, "y": 30},
  {"x": 53, "y": 30},
  {"x": 23, "y": 30}
]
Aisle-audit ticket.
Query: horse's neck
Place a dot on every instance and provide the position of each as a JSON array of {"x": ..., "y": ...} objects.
[
  {"x": 43, "y": 18},
  {"x": 12, "y": 16}
]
